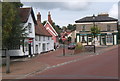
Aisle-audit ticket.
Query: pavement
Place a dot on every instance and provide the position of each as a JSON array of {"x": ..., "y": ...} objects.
[{"x": 24, "y": 67}]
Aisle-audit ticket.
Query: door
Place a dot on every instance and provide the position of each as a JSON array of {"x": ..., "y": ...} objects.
[
  {"x": 44, "y": 47},
  {"x": 30, "y": 49},
  {"x": 36, "y": 49}
]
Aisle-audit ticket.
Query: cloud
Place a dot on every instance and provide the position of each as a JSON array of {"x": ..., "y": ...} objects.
[
  {"x": 114, "y": 11},
  {"x": 58, "y": 5}
]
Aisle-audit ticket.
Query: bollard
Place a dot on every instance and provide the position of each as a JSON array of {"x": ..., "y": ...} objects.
[{"x": 7, "y": 62}]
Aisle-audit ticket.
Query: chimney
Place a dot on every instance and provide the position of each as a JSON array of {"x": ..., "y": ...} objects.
[
  {"x": 39, "y": 17},
  {"x": 49, "y": 18},
  {"x": 103, "y": 14}
]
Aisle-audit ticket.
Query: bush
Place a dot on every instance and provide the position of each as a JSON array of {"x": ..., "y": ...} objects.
[{"x": 79, "y": 46}]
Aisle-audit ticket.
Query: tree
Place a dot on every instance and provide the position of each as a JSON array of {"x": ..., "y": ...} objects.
[
  {"x": 44, "y": 22},
  {"x": 56, "y": 27},
  {"x": 95, "y": 30},
  {"x": 0, "y": 25},
  {"x": 64, "y": 28},
  {"x": 71, "y": 27},
  {"x": 11, "y": 29}
]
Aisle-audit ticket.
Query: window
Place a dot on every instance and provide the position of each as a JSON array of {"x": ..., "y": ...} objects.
[
  {"x": 39, "y": 38},
  {"x": 48, "y": 38},
  {"x": 36, "y": 38},
  {"x": 29, "y": 27},
  {"x": 109, "y": 38},
  {"x": 47, "y": 46},
  {"x": 83, "y": 28},
  {"x": 39, "y": 45},
  {"x": 43, "y": 38},
  {"x": 108, "y": 28}
]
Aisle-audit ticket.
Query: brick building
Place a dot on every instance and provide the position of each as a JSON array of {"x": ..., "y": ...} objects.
[{"x": 108, "y": 29}]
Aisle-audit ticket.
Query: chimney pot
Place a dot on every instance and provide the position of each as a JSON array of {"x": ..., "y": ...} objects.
[{"x": 39, "y": 17}]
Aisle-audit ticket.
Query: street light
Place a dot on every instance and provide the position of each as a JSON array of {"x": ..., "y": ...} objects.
[{"x": 94, "y": 33}]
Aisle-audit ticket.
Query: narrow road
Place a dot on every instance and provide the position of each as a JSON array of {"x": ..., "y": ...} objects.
[{"x": 103, "y": 66}]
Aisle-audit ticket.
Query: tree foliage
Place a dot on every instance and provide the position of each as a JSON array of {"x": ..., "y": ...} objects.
[
  {"x": 11, "y": 28},
  {"x": 44, "y": 22},
  {"x": 95, "y": 30},
  {"x": 71, "y": 27},
  {"x": 0, "y": 25}
]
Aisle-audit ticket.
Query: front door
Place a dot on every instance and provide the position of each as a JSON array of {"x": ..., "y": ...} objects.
[
  {"x": 43, "y": 47},
  {"x": 30, "y": 49},
  {"x": 36, "y": 49}
]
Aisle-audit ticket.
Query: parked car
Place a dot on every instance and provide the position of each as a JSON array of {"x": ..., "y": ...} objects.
[{"x": 72, "y": 46}]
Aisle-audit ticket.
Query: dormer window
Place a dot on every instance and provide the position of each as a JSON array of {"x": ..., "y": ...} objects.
[{"x": 29, "y": 27}]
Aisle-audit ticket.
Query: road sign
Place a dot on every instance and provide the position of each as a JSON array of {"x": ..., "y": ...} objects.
[
  {"x": 30, "y": 40},
  {"x": 63, "y": 38}
]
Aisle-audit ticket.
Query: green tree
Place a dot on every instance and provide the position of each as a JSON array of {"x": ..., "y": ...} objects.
[
  {"x": 71, "y": 27},
  {"x": 44, "y": 22},
  {"x": 11, "y": 29},
  {"x": 95, "y": 30},
  {"x": 0, "y": 25}
]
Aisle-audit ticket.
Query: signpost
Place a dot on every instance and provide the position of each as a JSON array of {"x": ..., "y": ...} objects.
[{"x": 63, "y": 39}]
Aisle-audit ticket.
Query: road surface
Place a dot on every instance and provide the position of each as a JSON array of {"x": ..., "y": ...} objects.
[{"x": 103, "y": 66}]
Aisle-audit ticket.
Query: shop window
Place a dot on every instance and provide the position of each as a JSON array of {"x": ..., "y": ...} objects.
[{"x": 109, "y": 38}]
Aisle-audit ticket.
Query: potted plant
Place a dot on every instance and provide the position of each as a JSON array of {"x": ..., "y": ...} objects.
[{"x": 78, "y": 48}]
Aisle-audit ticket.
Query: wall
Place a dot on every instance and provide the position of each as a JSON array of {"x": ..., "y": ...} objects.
[
  {"x": 101, "y": 25},
  {"x": 39, "y": 40}
]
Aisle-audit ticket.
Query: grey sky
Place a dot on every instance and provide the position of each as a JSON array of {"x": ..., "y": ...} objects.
[{"x": 64, "y": 13}]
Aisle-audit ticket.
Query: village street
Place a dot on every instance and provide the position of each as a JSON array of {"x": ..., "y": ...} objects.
[
  {"x": 104, "y": 66},
  {"x": 54, "y": 65}
]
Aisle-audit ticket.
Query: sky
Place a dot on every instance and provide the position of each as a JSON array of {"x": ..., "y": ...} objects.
[{"x": 64, "y": 13}]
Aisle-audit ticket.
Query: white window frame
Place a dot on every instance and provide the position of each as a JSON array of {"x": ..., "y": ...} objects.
[{"x": 109, "y": 38}]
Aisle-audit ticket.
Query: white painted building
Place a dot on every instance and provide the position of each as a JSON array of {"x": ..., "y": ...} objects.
[
  {"x": 43, "y": 39},
  {"x": 28, "y": 21}
]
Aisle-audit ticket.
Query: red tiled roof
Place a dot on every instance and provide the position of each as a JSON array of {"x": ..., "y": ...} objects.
[
  {"x": 24, "y": 14},
  {"x": 40, "y": 30}
]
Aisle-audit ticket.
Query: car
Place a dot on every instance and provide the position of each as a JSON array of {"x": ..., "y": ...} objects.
[{"x": 72, "y": 46}]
